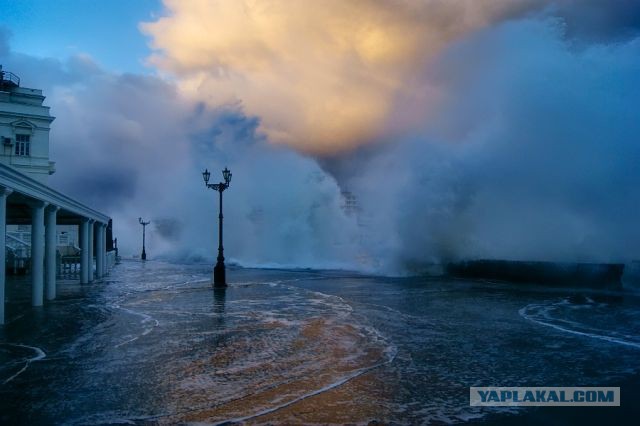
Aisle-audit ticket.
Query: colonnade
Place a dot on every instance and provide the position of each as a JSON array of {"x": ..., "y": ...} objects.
[{"x": 43, "y": 250}]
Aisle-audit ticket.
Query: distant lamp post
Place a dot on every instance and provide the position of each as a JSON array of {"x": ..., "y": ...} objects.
[
  {"x": 144, "y": 228},
  {"x": 219, "y": 279}
]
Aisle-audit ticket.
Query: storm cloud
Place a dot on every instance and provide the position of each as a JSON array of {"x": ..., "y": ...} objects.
[
  {"x": 465, "y": 129},
  {"x": 327, "y": 78}
]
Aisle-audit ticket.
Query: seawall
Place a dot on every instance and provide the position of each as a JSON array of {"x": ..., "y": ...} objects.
[{"x": 563, "y": 274}]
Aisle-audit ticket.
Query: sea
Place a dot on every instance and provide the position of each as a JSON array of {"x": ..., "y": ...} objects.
[{"x": 154, "y": 343}]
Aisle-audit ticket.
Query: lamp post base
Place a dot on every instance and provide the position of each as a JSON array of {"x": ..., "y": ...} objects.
[
  {"x": 144, "y": 255},
  {"x": 219, "y": 276}
]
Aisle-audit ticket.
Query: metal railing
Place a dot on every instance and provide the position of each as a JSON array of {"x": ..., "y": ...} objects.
[
  {"x": 68, "y": 261},
  {"x": 18, "y": 258},
  {"x": 17, "y": 255},
  {"x": 9, "y": 78}
]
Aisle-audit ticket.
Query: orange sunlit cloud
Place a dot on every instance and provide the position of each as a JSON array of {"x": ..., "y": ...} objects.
[{"x": 323, "y": 77}]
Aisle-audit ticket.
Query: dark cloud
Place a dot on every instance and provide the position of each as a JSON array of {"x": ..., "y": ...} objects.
[
  {"x": 169, "y": 228},
  {"x": 598, "y": 20},
  {"x": 102, "y": 188}
]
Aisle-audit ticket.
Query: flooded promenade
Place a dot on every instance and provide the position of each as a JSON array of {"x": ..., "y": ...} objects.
[{"x": 154, "y": 344}]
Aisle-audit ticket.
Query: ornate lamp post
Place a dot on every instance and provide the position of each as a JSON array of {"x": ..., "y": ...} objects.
[
  {"x": 144, "y": 227},
  {"x": 219, "y": 279}
]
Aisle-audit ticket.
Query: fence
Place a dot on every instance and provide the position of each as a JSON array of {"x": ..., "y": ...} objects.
[{"x": 18, "y": 259}]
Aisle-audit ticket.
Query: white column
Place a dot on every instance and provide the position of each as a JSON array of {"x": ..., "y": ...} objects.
[
  {"x": 37, "y": 252},
  {"x": 84, "y": 247},
  {"x": 4, "y": 193},
  {"x": 80, "y": 246},
  {"x": 103, "y": 250},
  {"x": 91, "y": 276},
  {"x": 99, "y": 250},
  {"x": 50, "y": 252}
]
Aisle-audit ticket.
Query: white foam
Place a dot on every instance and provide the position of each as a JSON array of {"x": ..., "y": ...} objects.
[
  {"x": 389, "y": 354},
  {"x": 145, "y": 319},
  {"x": 545, "y": 313},
  {"x": 326, "y": 388},
  {"x": 39, "y": 355}
]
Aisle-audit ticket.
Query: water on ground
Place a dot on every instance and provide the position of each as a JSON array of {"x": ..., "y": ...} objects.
[{"x": 154, "y": 344}]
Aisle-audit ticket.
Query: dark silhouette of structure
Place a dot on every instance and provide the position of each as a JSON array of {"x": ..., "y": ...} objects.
[
  {"x": 565, "y": 274},
  {"x": 144, "y": 227},
  {"x": 219, "y": 278},
  {"x": 109, "y": 238}
]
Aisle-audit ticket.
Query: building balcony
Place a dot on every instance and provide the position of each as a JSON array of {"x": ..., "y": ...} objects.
[{"x": 8, "y": 80}]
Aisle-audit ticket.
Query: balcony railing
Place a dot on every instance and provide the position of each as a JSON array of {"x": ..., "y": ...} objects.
[{"x": 9, "y": 79}]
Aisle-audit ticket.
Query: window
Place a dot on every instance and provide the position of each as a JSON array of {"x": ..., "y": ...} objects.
[{"x": 23, "y": 143}]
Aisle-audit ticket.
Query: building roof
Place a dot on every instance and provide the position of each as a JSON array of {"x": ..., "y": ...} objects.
[{"x": 29, "y": 189}]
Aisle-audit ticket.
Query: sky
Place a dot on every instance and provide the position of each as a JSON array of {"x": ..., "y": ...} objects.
[
  {"x": 107, "y": 31},
  {"x": 498, "y": 129}
]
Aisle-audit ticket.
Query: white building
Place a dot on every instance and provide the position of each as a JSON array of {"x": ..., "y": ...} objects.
[
  {"x": 24, "y": 129},
  {"x": 26, "y": 202},
  {"x": 24, "y": 145}
]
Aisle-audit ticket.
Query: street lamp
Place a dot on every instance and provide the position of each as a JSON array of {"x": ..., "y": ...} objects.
[
  {"x": 218, "y": 271},
  {"x": 144, "y": 227}
]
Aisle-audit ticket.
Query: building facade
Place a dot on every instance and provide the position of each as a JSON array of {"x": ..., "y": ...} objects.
[{"x": 24, "y": 128}]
